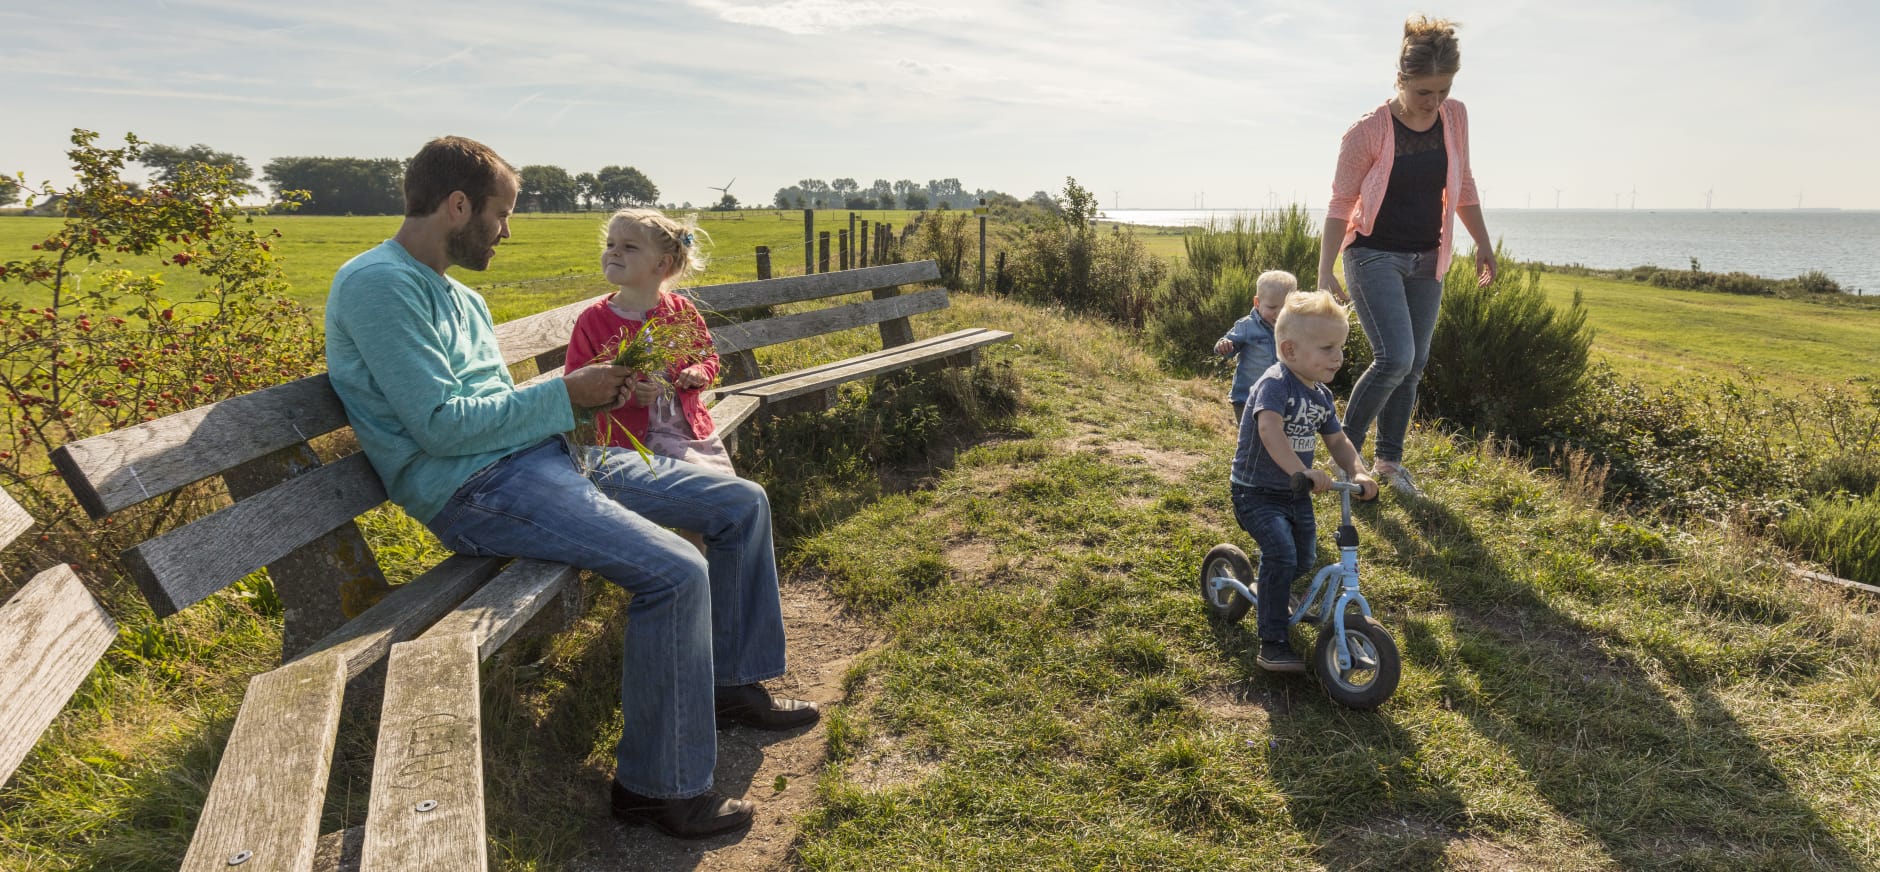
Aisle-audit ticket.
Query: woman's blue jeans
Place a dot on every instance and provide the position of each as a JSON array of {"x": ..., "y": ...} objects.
[
  {"x": 1398, "y": 296},
  {"x": 694, "y": 621}
]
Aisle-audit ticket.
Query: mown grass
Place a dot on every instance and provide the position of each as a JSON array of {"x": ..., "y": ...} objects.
[
  {"x": 1659, "y": 335},
  {"x": 1580, "y": 692}
]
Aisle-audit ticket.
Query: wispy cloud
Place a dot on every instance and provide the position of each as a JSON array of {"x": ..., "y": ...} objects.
[{"x": 809, "y": 17}]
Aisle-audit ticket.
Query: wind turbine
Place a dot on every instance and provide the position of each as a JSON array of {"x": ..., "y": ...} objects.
[
  {"x": 1557, "y": 197},
  {"x": 726, "y": 190},
  {"x": 1634, "y": 196},
  {"x": 1707, "y": 194}
]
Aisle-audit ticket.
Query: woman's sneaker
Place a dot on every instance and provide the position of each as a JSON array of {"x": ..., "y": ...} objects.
[
  {"x": 1398, "y": 478},
  {"x": 1279, "y": 657}
]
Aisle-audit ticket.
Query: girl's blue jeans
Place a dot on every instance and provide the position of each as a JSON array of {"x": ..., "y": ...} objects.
[
  {"x": 694, "y": 621},
  {"x": 1398, "y": 296},
  {"x": 1282, "y": 523}
]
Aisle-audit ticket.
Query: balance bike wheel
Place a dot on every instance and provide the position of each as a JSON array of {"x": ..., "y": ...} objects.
[
  {"x": 1376, "y": 667},
  {"x": 1226, "y": 561}
]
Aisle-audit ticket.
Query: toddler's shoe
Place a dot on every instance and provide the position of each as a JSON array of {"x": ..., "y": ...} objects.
[{"x": 1279, "y": 657}]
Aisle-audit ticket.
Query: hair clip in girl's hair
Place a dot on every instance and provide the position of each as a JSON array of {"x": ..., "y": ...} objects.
[{"x": 686, "y": 240}]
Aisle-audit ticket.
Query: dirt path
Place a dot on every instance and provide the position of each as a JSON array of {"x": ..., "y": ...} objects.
[{"x": 823, "y": 641}]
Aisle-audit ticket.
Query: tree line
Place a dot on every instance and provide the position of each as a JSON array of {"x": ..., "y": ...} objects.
[
  {"x": 375, "y": 186},
  {"x": 905, "y": 194}
]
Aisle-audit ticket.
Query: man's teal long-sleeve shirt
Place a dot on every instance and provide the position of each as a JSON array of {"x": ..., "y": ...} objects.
[{"x": 413, "y": 356}]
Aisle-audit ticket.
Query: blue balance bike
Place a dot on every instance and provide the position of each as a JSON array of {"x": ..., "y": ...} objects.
[{"x": 1355, "y": 658}]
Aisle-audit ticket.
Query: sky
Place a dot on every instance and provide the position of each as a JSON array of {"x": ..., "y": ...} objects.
[{"x": 1582, "y": 104}]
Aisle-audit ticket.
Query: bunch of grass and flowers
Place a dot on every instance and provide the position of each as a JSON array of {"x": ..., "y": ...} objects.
[{"x": 659, "y": 350}]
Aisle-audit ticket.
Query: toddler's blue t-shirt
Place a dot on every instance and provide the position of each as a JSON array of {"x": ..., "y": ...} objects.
[{"x": 1306, "y": 413}]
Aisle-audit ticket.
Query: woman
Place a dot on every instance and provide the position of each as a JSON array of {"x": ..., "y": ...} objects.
[{"x": 1403, "y": 176}]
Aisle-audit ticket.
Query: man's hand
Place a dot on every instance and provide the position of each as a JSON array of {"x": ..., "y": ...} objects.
[{"x": 597, "y": 385}]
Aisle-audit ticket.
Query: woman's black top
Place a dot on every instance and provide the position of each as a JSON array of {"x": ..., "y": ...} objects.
[{"x": 1411, "y": 216}]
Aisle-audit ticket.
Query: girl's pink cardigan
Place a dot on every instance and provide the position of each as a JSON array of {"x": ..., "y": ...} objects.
[{"x": 1364, "y": 160}]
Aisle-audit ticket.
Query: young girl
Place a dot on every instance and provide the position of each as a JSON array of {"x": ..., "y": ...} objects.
[{"x": 643, "y": 252}]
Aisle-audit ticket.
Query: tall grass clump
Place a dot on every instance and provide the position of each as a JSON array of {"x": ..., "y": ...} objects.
[
  {"x": 1061, "y": 259},
  {"x": 1504, "y": 360},
  {"x": 1843, "y": 535},
  {"x": 1205, "y": 295}
]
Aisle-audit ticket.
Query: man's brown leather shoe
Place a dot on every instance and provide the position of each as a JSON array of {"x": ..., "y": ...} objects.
[
  {"x": 694, "y": 817},
  {"x": 753, "y": 706}
]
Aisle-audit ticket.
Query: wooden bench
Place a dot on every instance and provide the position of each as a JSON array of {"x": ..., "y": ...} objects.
[
  {"x": 52, "y": 631},
  {"x": 293, "y": 513}
]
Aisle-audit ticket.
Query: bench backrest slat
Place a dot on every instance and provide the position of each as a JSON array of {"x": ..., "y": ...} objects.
[
  {"x": 795, "y": 289},
  {"x": 731, "y": 338},
  {"x": 426, "y": 808},
  {"x": 184, "y": 565},
  {"x": 113, "y": 471},
  {"x": 51, "y": 633},
  {"x": 270, "y": 787}
]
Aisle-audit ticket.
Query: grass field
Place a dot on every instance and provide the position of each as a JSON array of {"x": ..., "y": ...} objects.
[
  {"x": 547, "y": 259},
  {"x": 1653, "y": 334},
  {"x": 1658, "y": 335}
]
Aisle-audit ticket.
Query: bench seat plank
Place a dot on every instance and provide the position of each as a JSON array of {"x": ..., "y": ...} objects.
[
  {"x": 426, "y": 807},
  {"x": 406, "y": 612},
  {"x": 812, "y": 379},
  {"x": 13, "y": 519},
  {"x": 270, "y": 787},
  {"x": 501, "y": 607},
  {"x": 181, "y": 567},
  {"x": 51, "y": 634}
]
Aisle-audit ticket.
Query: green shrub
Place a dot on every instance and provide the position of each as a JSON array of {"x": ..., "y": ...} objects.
[
  {"x": 104, "y": 346},
  {"x": 1064, "y": 260},
  {"x": 1504, "y": 360},
  {"x": 1841, "y": 534},
  {"x": 1215, "y": 286},
  {"x": 1853, "y": 474}
]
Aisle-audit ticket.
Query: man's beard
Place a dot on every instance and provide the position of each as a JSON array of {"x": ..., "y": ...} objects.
[{"x": 471, "y": 246}]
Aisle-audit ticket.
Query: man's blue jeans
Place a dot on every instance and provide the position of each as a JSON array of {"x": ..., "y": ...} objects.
[
  {"x": 694, "y": 621},
  {"x": 1283, "y": 525},
  {"x": 1398, "y": 296}
]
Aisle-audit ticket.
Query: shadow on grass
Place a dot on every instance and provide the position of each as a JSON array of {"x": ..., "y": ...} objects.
[
  {"x": 1353, "y": 777},
  {"x": 1657, "y": 782}
]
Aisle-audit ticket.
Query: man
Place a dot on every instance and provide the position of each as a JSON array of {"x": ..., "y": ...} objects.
[{"x": 413, "y": 355}]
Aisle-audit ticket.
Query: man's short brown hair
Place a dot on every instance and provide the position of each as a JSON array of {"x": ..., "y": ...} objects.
[{"x": 453, "y": 163}]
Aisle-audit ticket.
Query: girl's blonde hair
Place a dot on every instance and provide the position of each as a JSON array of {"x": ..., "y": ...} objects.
[
  {"x": 1309, "y": 305},
  {"x": 680, "y": 239},
  {"x": 1429, "y": 48}
]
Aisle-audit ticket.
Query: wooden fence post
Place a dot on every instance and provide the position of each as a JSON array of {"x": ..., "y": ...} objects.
[
  {"x": 809, "y": 241},
  {"x": 763, "y": 261},
  {"x": 861, "y": 243},
  {"x": 842, "y": 244},
  {"x": 822, "y": 251},
  {"x": 982, "y": 245},
  {"x": 845, "y": 261}
]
